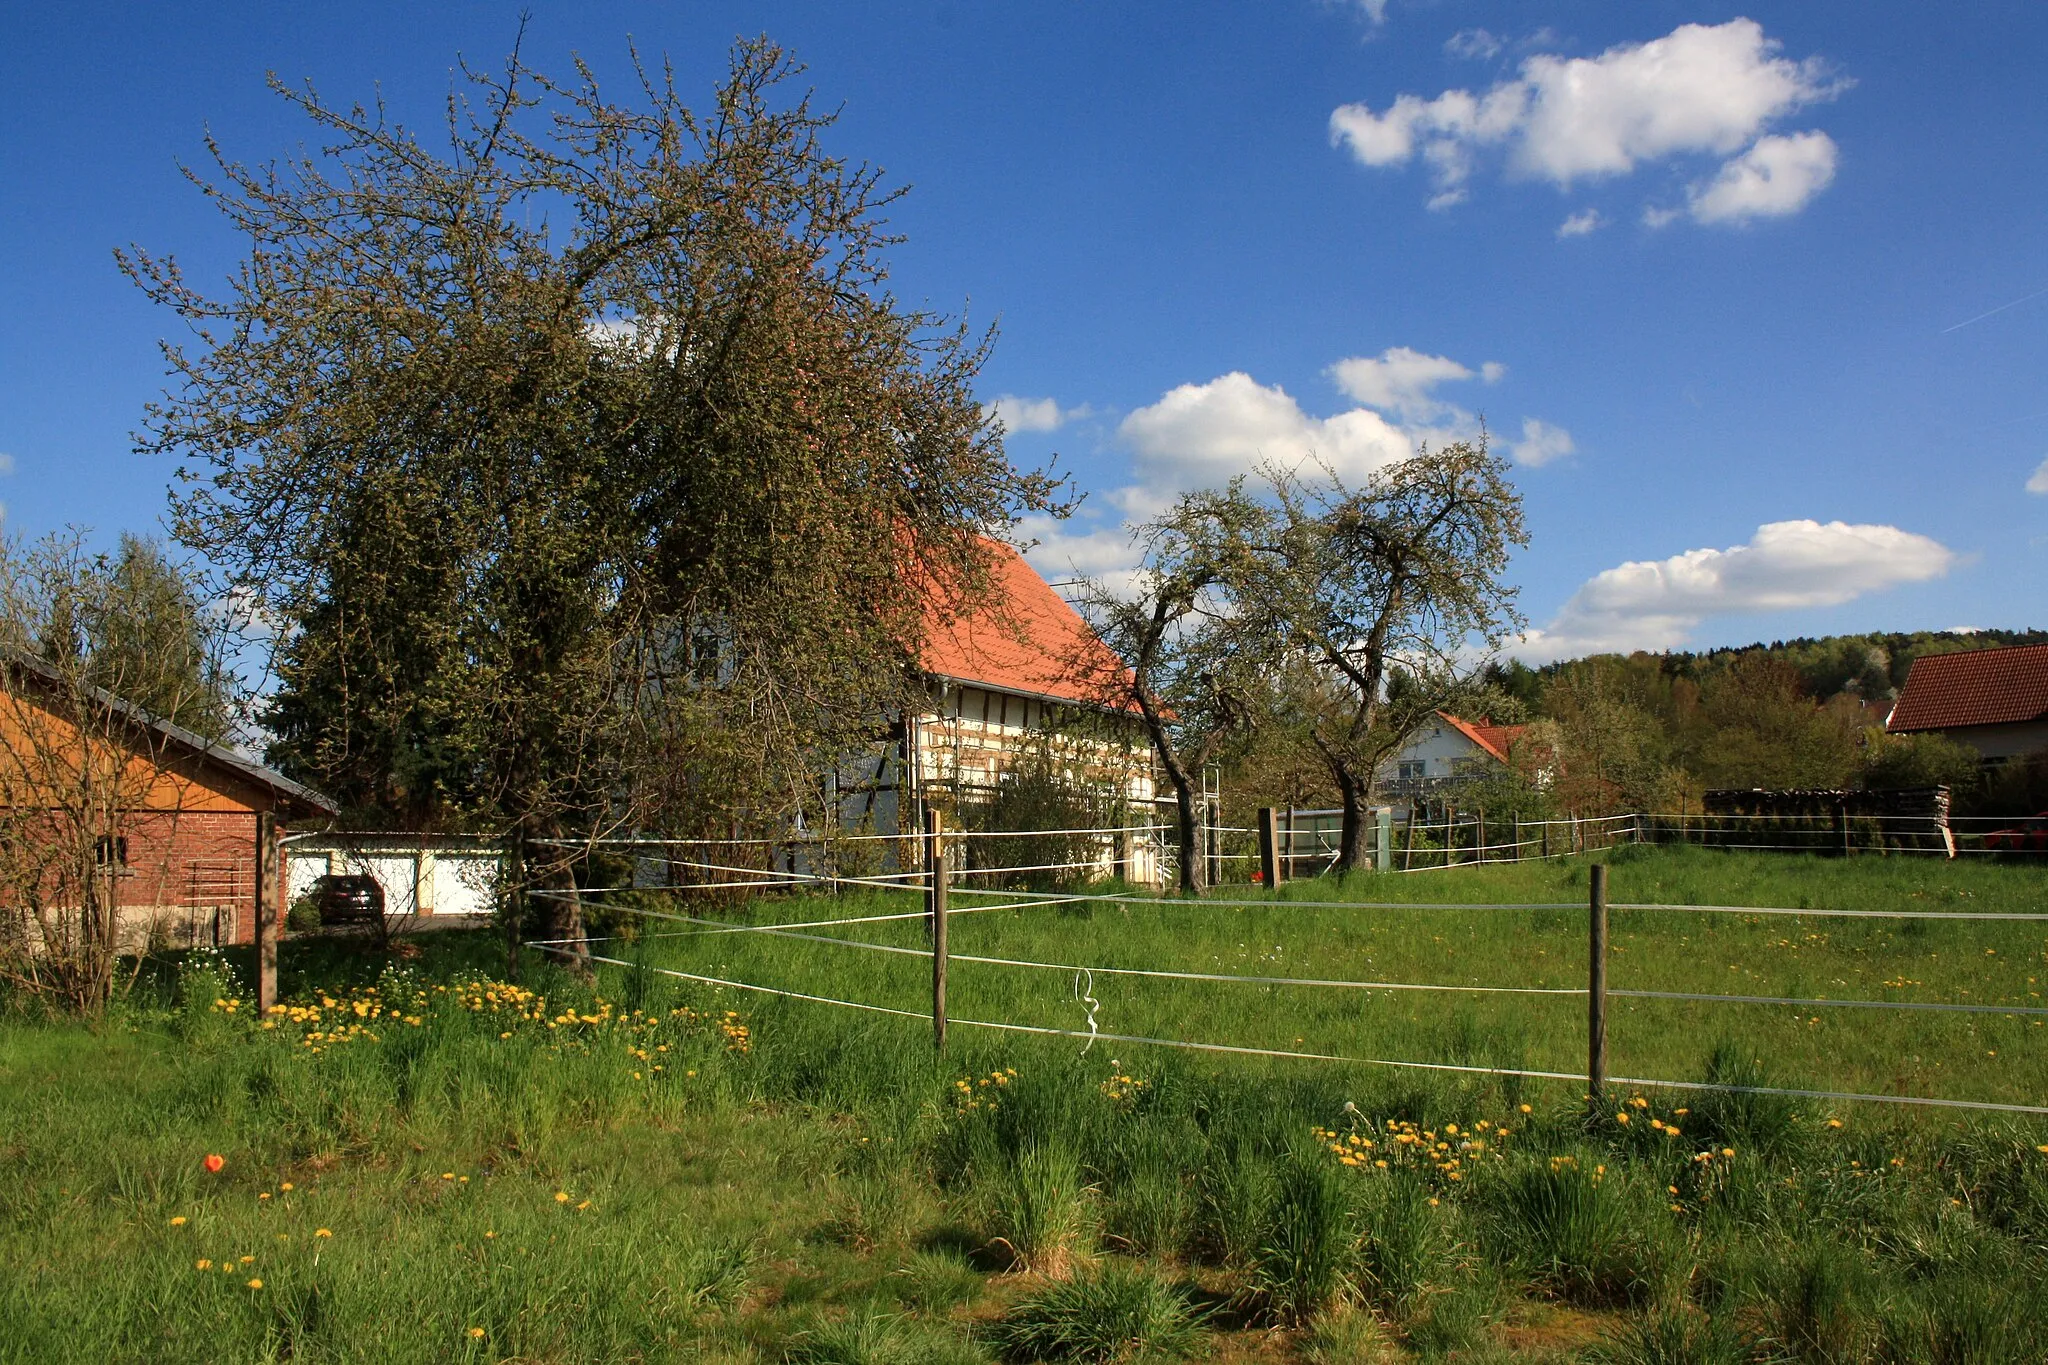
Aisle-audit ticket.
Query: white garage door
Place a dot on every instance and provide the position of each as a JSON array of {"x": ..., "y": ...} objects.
[
  {"x": 397, "y": 873},
  {"x": 301, "y": 869},
  {"x": 464, "y": 883}
]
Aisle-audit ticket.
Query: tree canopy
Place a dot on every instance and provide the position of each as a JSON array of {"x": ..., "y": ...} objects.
[{"x": 515, "y": 428}]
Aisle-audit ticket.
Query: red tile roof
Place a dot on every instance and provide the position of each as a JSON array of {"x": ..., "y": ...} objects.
[
  {"x": 1026, "y": 640},
  {"x": 1975, "y": 687},
  {"x": 1495, "y": 739}
]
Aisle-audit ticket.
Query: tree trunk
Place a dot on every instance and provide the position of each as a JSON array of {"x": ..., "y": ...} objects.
[
  {"x": 562, "y": 912},
  {"x": 1188, "y": 829},
  {"x": 1351, "y": 791}
]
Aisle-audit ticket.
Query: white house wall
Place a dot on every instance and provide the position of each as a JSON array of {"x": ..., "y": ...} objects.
[{"x": 1443, "y": 750}]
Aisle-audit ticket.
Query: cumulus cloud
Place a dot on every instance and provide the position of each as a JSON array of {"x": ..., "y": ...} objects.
[
  {"x": 1541, "y": 443},
  {"x": 1030, "y": 414},
  {"x": 1785, "y": 566},
  {"x": 1581, "y": 223},
  {"x": 1701, "y": 89},
  {"x": 1474, "y": 44},
  {"x": 1775, "y": 177},
  {"x": 2039, "y": 482},
  {"x": 6, "y": 463},
  {"x": 1399, "y": 380},
  {"x": 1200, "y": 434}
]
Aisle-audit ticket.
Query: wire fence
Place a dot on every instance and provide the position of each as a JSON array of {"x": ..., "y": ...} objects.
[{"x": 934, "y": 882}]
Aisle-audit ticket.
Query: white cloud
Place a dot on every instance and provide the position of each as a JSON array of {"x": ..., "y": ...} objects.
[
  {"x": 1375, "y": 10},
  {"x": 1699, "y": 89},
  {"x": 1541, "y": 443},
  {"x": 1200, "y": 434},
  {"x": 1775, "y": 177},
  {"x": 1581, "y": 223},
  {"x": 1787, "y": 565},
  {"x": 1474, "y": 44},
  {"x": 1030, "y": 414},
  {"x": 1399, "y": 380},
  {"x": 2038, "y": 483}
]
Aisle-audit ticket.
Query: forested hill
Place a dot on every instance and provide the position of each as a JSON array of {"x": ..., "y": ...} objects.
[{"x": 1872, "y": 667}]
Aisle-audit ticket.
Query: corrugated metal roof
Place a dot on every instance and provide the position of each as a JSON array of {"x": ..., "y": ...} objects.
[
  {"x": 1026, "y": 640},
  {"x": 1975, "y": 687}
]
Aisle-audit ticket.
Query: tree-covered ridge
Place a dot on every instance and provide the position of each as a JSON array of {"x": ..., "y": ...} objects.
[{"x": 1871, "y": 666}]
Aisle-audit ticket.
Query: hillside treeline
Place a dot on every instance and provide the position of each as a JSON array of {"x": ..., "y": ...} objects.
[{"x": 1655, "y": 732}]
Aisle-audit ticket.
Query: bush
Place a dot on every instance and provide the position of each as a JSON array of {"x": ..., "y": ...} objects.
[{"x": 1107, "y": 1316}]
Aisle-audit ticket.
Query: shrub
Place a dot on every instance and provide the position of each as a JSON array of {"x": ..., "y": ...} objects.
[{"x": 1106, "y": 1316}]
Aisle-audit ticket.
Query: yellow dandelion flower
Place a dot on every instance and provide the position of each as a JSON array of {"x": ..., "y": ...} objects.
[
  {"x": 179, "y": 1221},
  {"x": 322, "y": 1232},
  {"x": 286, "y": 1186},
  {"x": 247, "y": 1260},
  {"x": 561, "y": 1197},
  {"x": 255, "y": 1284},
  {"x": 476, "y": 1333},
  {"x": 447, "y": 1175},
  {"x": 202, "y": 1264}
]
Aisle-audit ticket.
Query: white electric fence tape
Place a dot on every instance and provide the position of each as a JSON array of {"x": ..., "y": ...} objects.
[{"x": 1286, "y": 1054}]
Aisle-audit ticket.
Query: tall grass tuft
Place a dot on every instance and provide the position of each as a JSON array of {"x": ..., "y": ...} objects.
[
  {"x": 1107, "y": 1316},
  {"x": 1041, "y": 1210},
  {"x": 1674, "y": 1335},
  {"x": 1309, "y": 1247},
  {"x": 1578, "y": 1234},
  {"x": 1405, "y": 1249},
  {"x": 1813, "y": 1308}
]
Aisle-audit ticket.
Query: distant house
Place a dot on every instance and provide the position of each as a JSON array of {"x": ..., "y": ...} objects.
[
  {"x": 1012, "y": 674},
  {"x": 1994, "y": 700},
  {"x": 1447, "y": 751},
  {"x": 170, "y": 816}
]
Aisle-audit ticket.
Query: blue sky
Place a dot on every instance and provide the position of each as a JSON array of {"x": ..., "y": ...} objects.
[{"x": 1722, "y": 277}]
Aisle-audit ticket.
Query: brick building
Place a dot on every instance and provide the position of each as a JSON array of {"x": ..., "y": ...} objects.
[{"x": 160, "y": 822}]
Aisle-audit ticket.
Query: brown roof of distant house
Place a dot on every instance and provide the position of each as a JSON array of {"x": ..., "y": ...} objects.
[
  {"x": 1976, "y": 687},
  {"x": 1495, "y": 739}
]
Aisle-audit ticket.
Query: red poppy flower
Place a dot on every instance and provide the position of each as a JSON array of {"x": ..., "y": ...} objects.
[{"x": 214, "y": 1161}]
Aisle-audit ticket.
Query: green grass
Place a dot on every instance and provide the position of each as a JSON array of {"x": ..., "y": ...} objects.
[
  {"x": 801, "y": 1183},
  {"x": 1990, "y": 1057}
]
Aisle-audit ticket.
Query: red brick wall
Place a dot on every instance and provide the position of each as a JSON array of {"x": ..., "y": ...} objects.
[{"x": 191, "y": 876}]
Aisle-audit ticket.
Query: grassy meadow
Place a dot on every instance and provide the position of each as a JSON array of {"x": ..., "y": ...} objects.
[{"x": 420, "y": 1161}]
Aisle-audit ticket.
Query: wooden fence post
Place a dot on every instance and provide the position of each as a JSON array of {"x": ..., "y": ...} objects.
[
  {"x": 1384, "y": 822},
  {"x": 1842, "y": 829},
  {"x": 1596, "y": 987},
  {"x": 267, "y": 925},
  {"x": 1269, "y": 847},
  {"x": 935, "y": 904},
  {"x": 1408, "y": 837}
]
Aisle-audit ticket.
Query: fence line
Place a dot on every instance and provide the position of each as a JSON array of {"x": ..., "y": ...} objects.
[{"x": 1285, "y": 1054}]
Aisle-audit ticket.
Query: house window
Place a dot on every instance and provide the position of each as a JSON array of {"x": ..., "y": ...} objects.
[
  {"x": 1410, "y": 770},
  {"x": 111, "y": 850}
]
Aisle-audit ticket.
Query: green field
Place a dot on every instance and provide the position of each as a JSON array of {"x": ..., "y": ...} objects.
[{"x": 422, "y": 1164}]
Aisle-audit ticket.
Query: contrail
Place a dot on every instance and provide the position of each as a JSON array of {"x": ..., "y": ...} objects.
[{"x": 1994, "y": 312}]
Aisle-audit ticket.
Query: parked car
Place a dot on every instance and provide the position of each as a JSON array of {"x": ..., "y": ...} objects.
[
  {"x": 347, "y": 898},
  {"x": 2028, "y": 836}
]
